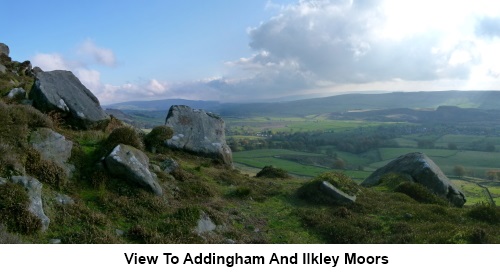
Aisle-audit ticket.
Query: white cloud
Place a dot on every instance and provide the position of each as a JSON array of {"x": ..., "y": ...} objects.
[
  {"x": 100, "y": 55},
  {"x": 380, "y": 44},
  {"x": 50, "y": 61}
]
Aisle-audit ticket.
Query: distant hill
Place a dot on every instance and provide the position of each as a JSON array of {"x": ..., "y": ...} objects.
[
  {"x": 161, "y": 105},
  {"x": 332, "y": 104}
]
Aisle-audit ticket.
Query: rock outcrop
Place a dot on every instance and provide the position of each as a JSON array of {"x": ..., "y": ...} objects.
[
  {"x": 61, "y": 91},
  {"x": 132, "y": 164},
  {"x": 336, "y": 194},
  {"x": 198, "y": 131},
  {"x": 4, "y": 49},
  {"x": 34, "y": 189},
  {"x": 54, "y": 147},
  {"x": 422, "y": 170}
]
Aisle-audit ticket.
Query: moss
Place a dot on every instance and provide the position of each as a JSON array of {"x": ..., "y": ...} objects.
[
  {"x": 273, "y": 172},
  {"x": 14, "y": 203}
]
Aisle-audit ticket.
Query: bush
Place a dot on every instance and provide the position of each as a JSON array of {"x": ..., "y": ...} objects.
[
  {"x": 121, "y": 135},
  {"x": 14, "y": 203},
  {"x": 273, "y": 172},
  {"x": 419, "y": 193},
  {"x": 486, "y": 213},
  {"x": 46, "y": 171},
  {"x": 156, "y": 138}
]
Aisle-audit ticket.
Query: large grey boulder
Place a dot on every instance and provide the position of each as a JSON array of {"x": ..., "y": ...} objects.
[
  {"x": 34, "y": 189},
  {"x": 198, "y": 131},
  {"x": 336, "y": 194},
  {"x": 422, "y": 170},
  {"x": 4, "y": 49},
  {"x": 53, "y": 146},
  {"x": 132, "y": 164},
  {"x": 61, "y": 91}
]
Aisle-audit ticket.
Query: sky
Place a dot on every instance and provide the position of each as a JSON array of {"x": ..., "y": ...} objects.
[{"x": 258, "y": 50}]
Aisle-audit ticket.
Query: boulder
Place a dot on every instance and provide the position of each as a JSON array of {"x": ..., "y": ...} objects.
[
  {"x": 16, "y": 92},
  {"x": 419, "y": 168},
  {"x": 61, "y": 91},
  {"x": 169, "y": 165},
  {"x": 4, "y": 49},
  {"x": 132, "y": 164},
  {"x": 204, "y": 224},
  {"x": 63, "y": 199},
  {"x": 53, "y": 146},
  {"x": 198, "y": 131},
  {"x": 336, "y": 194},
  {"x": 34, "y": 189}
]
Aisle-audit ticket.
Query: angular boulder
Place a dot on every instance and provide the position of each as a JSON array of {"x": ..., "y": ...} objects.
[
  {"x": 34, "y": 189},
  {"x": 61, "y": 91},
  {"x": 422, "y": 170},
  {"x": 53, "y": 146},
  {"x": 336, "y": 194},
  {"x": 4, "y": 49},
  {"x": 198, "y": 131},
  {"x": 132, "y": 164}
]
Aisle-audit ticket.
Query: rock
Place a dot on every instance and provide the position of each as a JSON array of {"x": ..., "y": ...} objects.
[
  {"x": 16, "y": 92},
  {"x": 169, "y": 165},
  {"x": 419, "y": 168},
  {"x": 55, "y": 241},
  {"x": 3, "y": 181},
  {"x": 205, "y": 224},
  {"x": 132, "y": 164},
  {"x": 199, "y": 132},
  {"x": 61, "y": 91},
  {"x": 34, "y": 189},
  {"x": 54, "y": 147},
  {"x": 63, "y": 199},
  {"x": 3, "y": 69},
  {"x": 4, "y": 49},
  {"x": 119, "y": 232},
  {"x": 336, "y": 194}
]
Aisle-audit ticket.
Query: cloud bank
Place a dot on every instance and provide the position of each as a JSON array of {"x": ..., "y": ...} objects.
[{"x": 322, "y": 47}]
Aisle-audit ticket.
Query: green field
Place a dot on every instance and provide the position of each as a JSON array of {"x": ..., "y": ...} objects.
[
  {"x": 254, "y": 125},
  {"x": 264, "y": 157}
]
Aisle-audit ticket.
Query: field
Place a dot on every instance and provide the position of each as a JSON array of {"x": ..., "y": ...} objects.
[{"x": 359, "y": 166}]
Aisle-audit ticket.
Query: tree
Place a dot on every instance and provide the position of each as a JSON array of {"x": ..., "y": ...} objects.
[
  {"x": 452, "y": 146},
  {"x": 459, "y": 170},
  {"x": 339, "y": 164}
]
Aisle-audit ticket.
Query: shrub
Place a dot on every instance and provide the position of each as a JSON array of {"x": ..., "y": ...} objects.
[
  {"x": 419, "y": 193},
  {"x": 46, "y": 171},
  {"x": 391, "y": 180},
  {"x": 273, "y": 172},
  {"x": 156, "y": 138},
  {"x": 28, "y": 115},
  {"x": 14, "y": 203},
  {"x": 486, "y": 213},
  {"x": 121, "y": 135},
  {"x": 240, "y": 192}
]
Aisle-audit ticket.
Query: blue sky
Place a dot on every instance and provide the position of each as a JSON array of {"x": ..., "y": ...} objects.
[{"x": 242, "y": 50}]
